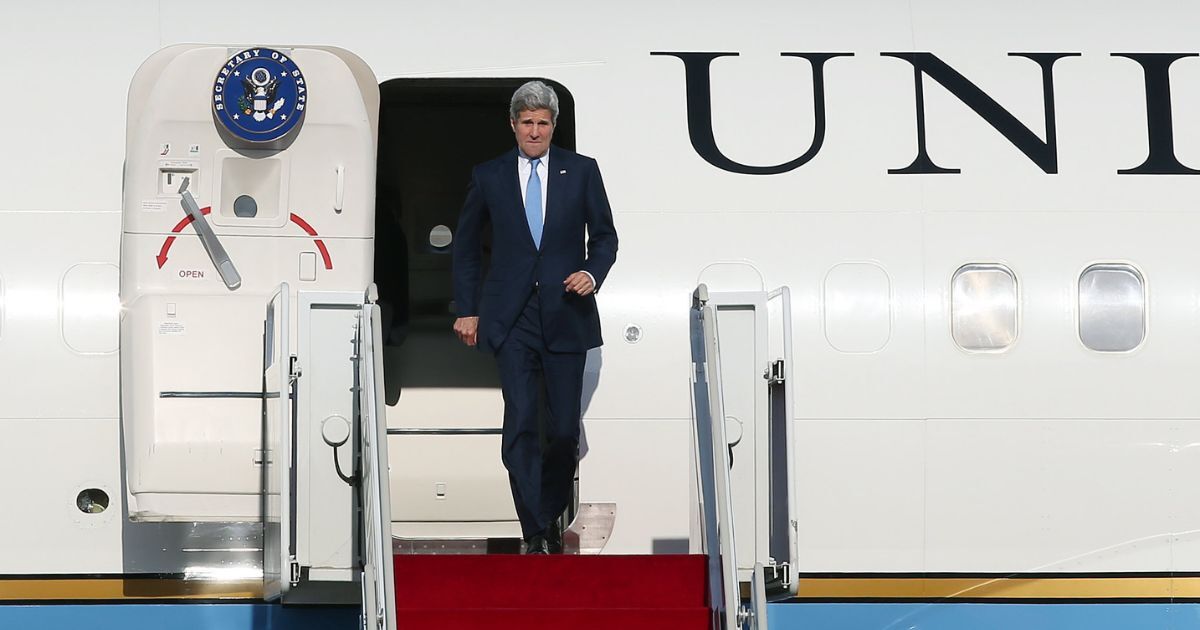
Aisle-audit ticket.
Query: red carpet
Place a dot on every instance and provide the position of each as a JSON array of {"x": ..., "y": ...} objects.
[{"x": 532, "y": 592}]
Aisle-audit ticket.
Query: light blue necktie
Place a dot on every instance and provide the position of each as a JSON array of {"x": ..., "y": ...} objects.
[{"x": 533, "y": 203}]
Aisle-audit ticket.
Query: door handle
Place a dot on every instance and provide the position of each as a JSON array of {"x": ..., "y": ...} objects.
[{"x": 212, "y": 245}]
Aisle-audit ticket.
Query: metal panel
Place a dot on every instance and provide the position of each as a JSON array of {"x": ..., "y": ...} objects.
[
  {"x": 781, "y": 434},
  {"x": 871, "y": 475},
  {"x": 1054, "y": 494},
  {"x": 90, "y": 308},
  {"x": 325, "y": 340},
  {"x": 378, "y": 585},
  {"x": 277, "y": 459},
  {"x": 742, "y": 330},
  {"x": 858, "y": 307},
  {"x": 712, "y": 460}
]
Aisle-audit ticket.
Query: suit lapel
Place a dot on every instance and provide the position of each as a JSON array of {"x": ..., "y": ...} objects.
[{"x": 554, "y": 182}]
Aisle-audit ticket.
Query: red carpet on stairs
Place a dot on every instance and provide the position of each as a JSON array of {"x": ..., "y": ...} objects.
[{"x": 553, "y": 592}]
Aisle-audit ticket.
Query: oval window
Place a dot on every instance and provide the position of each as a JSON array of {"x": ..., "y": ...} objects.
[
  {"x": 1112, "y": 308},
  {"x": 983, "y": 307},
  {"x": 440, "y": 237}
]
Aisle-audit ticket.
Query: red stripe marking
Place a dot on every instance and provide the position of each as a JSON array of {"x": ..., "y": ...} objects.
[
  {"x": 324, "y": 253},
  {"x": 186, "y": 221},
  {"x": 303, "y": 225},
  {"x": 161, "y": 259},
  {"x": 308, "y": 229}
]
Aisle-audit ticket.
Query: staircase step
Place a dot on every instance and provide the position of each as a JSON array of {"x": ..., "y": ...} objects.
[
  {"x": 425, "y": 582},
  {"x": 554, "y": 619}
]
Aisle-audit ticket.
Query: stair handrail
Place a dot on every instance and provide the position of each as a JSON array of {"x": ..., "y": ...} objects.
[
  {"x": 712, "y": 463},
  {"x": 371, "y": 471}
]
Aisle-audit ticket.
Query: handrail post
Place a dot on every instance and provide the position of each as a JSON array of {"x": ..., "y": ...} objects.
[{"x": 712, "y": 459}]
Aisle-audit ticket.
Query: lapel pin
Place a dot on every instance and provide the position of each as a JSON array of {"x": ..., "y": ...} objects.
[{"x": 563, "y": 172}]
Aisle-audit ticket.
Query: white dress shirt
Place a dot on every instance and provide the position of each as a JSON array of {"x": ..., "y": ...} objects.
[{"x": 523, "y": 172}]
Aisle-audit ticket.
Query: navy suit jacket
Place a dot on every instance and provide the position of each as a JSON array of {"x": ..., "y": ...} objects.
[{"x": 577, "y": 235}]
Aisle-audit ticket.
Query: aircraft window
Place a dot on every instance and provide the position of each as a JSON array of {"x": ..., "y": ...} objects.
[
  {"x": 91, "y": 308},
  {"x": 440, "y": 237},
  {"x": 1112, "y": 308},
  {"x": 245, "y": 206},
  {"x": 858, "y": 307},
  {"x": 983, "y": 307}
]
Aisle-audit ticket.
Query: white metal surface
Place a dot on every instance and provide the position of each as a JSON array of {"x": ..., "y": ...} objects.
[
  {"x": 754, "y": 337},
  {"x": 278, "y": 450},
  {"x": 190, "y": 328},
  {"x": 378, "y": 583},
  {"x": 742, "y": 329},
  {"x": 758, "y": 600},
  {"x": 325, "y": 345},
  {"x": 890, "y": 442},
  {"x": 718, "y": 512},
  {"x": 783, "y": 509}
]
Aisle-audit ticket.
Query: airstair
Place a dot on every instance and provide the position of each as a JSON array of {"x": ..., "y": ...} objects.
[{"x": 699, "y": 590}]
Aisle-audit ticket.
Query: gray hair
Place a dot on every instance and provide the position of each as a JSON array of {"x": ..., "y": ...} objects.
[{"x": 534, "y": 95}]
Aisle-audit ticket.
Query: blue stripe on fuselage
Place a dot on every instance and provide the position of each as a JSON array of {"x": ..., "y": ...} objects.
[
  {"x": 964, "y": 616},
  {"x": 176, "y": 617}
]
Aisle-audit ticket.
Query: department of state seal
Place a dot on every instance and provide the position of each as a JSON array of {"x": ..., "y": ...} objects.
[{"x": 259, "y": 95}]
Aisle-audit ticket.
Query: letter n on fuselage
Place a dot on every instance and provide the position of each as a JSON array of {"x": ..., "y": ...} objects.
[{"x": 1043, "y": 153}]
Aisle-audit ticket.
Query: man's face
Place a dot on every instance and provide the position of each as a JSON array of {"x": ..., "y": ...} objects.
[{"x": 533, "y": 128}]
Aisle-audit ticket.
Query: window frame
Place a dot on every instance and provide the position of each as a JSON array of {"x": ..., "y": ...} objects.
[
  {"x": 1017, "y": 306},
  {"x": 1120, "y": 265}
]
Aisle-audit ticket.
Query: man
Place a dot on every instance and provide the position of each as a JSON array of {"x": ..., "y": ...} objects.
[{"x": 553, "y": 242}]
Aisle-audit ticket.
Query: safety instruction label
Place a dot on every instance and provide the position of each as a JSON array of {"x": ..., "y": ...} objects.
[
  {"x": 154, "y": 205},
  {"x": 180, "y": 165},
  {"x": 171, "y": 328}
]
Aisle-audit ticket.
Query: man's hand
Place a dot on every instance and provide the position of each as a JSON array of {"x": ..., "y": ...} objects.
[
  {"x": 467, "y": 329},
  {"x": 579, "y": 282}
]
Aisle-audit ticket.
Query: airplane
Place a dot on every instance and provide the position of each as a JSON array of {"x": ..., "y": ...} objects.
[{"x": 948, "y": 249}]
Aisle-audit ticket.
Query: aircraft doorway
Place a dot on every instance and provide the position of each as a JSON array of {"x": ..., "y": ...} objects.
[{"x": 445, "y": 408}]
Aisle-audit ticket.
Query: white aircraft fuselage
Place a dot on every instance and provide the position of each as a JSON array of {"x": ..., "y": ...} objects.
[{"x": 1037, "y": 417}]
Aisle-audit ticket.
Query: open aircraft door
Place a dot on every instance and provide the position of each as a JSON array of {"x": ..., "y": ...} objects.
[
  {"x": 249, "y": 189},
  {"x": 753, "y": 331}
]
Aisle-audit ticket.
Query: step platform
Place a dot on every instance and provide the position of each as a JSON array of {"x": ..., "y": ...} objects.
[{"x": 500, "y": 592}]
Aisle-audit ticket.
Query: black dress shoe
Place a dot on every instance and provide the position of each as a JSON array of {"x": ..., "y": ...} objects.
[
  {"x": 537, "y": 545},
  {"x": 553, "y": 539}
]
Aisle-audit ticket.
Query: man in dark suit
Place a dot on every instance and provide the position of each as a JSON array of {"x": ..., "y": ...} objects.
[{"x": 553, "y": 242}]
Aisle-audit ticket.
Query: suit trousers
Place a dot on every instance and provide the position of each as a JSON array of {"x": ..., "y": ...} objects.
[{"x": 541, "y": 475}]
